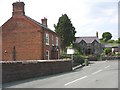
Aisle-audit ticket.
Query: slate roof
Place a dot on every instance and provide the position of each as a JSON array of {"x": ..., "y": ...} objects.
[
  {"x": 86, "y": 39},
  {"x": 38, "y": 23}
]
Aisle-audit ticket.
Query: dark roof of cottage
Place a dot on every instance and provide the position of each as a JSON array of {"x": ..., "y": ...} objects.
[
  {"x": 40, "y": 24},
  {"x": 86, "y": 39}
]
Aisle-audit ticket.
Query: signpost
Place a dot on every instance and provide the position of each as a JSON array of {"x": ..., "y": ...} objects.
[{"x": 71, "y": 52}]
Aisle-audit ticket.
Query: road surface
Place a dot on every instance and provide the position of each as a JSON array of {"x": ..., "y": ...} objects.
[{"x": 100, "y": 74}]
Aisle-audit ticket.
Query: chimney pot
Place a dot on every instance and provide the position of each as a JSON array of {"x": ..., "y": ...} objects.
[{"x": 44, "y": 21}]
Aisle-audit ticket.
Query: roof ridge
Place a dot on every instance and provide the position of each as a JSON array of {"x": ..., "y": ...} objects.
[
  {"x": 40, "y": 24},
  {"x": 88, "y": 39}
]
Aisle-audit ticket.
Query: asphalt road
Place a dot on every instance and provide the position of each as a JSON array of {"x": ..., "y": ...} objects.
[{"x": 102, "y": 74}]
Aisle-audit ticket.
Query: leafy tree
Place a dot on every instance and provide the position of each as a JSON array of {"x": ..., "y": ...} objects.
[
  {"x": 65, "y": 30},
  {"x": 106, "y": 36}
]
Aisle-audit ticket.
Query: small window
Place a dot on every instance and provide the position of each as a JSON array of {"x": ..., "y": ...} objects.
[
  {"x": 52, "y": 40},
  {"x": 56, "y": 41},
  {"x": 47, "y": 39},
  {"x": 47, "y": 54}
]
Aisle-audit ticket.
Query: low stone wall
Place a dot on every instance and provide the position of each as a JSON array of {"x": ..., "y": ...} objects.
[{"x": 18, "y": 70}]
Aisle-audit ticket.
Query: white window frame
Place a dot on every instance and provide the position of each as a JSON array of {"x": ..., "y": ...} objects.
[
  {"x": 47, "y": 55},
  {"x": 47, "y": 39},
  {"x": 56, "y": 41}
]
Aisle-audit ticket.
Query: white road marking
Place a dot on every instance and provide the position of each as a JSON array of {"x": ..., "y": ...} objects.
[
  {"x": 107, "y": 67},
  {"x": 97, "y": 72},
  {"x": 75, "y": 80},
  {"x": 85, "y": 76}
]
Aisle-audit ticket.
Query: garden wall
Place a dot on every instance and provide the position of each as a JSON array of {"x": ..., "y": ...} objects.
[{"x": 18, "y": 70}]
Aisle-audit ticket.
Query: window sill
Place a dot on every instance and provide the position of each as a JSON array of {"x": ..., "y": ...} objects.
[{"x": 47, "y": 44}]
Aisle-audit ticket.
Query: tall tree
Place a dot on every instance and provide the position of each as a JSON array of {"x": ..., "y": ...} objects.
[
  {"x": 106, "y": 36},
  {"x": 65, "y": 30}
]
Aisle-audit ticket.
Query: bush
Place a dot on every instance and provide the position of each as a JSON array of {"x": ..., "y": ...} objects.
[
  {"x": 107, "y": 51},
  {"x": 65, "y": 56},
  {"x": 78, "y": 59},
  {"x": 92, "y": 58},
  {"x": 95, "y": 57}
]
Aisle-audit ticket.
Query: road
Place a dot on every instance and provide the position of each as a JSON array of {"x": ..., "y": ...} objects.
[{"x": 100, "y": 74}]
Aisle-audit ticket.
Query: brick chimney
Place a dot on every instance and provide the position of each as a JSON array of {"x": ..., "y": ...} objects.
[
  {"x": 18, "y": 9},
  {"x": 44, "y": 21}
]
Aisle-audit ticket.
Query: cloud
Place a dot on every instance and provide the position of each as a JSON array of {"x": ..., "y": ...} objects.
[
  {"x": 114, "y": 20},
  {"x": 88, "y": 16},
  {"x": 108, "y": 12}
]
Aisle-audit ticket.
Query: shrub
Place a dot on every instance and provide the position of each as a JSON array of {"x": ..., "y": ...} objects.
[
  {"x": 65, "y": 56},
  {"x": 78, "y": 59},
  {"x": 92, "y": 58},
  {"x": 107, "y": 51},
  {"x": 95, "y": 57}
]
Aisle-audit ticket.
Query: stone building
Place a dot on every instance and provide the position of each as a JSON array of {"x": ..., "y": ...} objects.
[{"x": 89, "y": 45}]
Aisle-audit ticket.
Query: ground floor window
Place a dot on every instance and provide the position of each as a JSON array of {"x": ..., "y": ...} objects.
[{"x": 47, "y": 54}]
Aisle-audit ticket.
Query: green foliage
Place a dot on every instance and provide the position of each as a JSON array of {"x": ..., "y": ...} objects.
[
  {"x": 111, "y": 41},
  {"x": 65, "y": 56},
  {"x": 65, "y": 30},
  {"x": 118, "y": 41},
  {"x": 77, "y": 47},
  {"x": 78, "y": 59},
  {"x": 95, "y": 57},
  {"x": 107, "y": 51},
  {"x": 106, "y": 36},
  {"x": 102, "y": 40}
]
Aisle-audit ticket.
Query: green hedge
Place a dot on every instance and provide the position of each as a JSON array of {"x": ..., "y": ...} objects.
[{"x": 78, "y": 59}]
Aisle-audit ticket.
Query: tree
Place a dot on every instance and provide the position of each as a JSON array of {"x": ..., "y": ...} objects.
[
  {"x": 65, "y": 30},
  {"x": 106, "y": 36}
]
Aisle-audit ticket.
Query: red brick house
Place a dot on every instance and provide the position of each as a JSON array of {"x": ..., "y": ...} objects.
[{"x": 26, "y": 39}]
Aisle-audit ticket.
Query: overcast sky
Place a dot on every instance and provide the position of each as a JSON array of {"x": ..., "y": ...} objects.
[{"x": 87, "y": 16}]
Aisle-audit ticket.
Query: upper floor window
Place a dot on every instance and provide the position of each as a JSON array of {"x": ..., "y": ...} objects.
[
  {"x": 47, "y": 39},
  {"x": 56, "y": 41}
]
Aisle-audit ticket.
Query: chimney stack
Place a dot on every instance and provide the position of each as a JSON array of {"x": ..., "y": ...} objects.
[
  {"x": 18, "y": 9},
  {"x": 44, "y": 21},
  {"x": 97, "y": 34}
]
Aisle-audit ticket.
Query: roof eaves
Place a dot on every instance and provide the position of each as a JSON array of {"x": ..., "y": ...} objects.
[{"x": 38, "y": 23}]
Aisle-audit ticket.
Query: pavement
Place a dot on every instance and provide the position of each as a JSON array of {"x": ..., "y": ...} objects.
[{"x": 100, "y": 74}]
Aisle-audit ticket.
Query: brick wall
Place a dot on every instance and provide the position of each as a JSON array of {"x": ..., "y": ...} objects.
[
  {"x": 24, "y": 36},
  {"x": 49, "y": 47},
  {"x": 28, "y": 39},
  {"x": 18, "y": 70}
]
